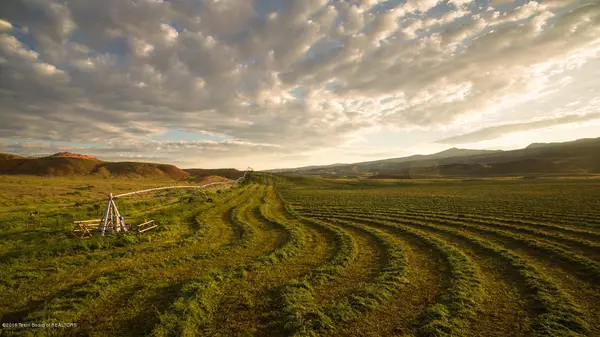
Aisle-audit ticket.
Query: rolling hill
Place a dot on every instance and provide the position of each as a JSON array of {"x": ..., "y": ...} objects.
[
  {"x": 569, "y": 158},
  {"x": 376, "y": 165},
  {"x": 200, "y": 174},
  {"x": 6, "y": 156},
  {"x": 70, "y": 164},
  {"x": 384, "y": 165},
  {"x": 579, "y": 157}
]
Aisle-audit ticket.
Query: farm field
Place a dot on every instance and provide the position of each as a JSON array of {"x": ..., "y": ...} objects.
[{"x": 286, "y": 255}]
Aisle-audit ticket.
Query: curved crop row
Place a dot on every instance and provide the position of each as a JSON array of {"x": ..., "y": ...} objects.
[
  {"x": 297, "y": 236},
  {"x": 587, "y": 266},
  {"x": 78, "y": 310},
  {"x": 582, "y": 244},
  {"x": 558, "y": 315},
  {"x": 552, "y": 217},
  {"x": 69, "y": 247},
  {"x": 580, "y": 233},
  {"x": 368, "y": 296},
  {"x": 299, "y": 312},
  {"x": 546, "y": 227},
  {"x": 151, "y": 256},
  {"x": 194, "y": 309},
  {"x": 458, "y": 303}
]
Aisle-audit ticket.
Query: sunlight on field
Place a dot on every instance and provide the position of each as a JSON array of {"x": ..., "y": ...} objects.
[{"x": 291, "y": 255}]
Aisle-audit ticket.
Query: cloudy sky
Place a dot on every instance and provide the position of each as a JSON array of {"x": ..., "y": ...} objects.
[{"x": 283, "y": 83}]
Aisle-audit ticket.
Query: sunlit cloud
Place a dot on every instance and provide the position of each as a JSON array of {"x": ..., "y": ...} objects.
[
  {"x": 283, "y": 82},
  {"x": 497, "y": 131}
]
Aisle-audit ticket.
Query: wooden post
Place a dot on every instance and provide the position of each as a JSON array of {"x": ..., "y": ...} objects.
[
  {"x": 83, "y": 227},
  {"x": 105, "y": 220},
  {"x": 119, "y": 223},
  {"x": 110, "y": 217},
  {"x": 141, "y": 228},
  {"x": 112, "y": 220}
]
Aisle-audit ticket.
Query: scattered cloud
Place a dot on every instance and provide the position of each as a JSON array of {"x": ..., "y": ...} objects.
[
  {"x": 280, "y": 79},
  {"x": 497, "y": 131}
]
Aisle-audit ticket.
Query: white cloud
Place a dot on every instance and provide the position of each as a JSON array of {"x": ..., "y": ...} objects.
[
  {"x": 497, "y": 131},
  {"x": 306, "y": 77}
]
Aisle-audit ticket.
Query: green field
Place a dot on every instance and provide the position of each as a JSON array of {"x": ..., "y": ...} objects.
[{"x": 291, "y": 255}]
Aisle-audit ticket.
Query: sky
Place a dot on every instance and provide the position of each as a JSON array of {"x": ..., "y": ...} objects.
[{"x": 273, "y": 84}]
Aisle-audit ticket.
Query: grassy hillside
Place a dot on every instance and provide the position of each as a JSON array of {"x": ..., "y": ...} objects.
[
  {"x": 384, "y": 164},
  {"x": 141, "y": 170},
  {"x": 78, "y": 165},
  {"x": 199, "y": 174},
  {"x": 572, "y": 158},
  {"x": 5, "y": 156},
  {"x": 51, "y": 166}
]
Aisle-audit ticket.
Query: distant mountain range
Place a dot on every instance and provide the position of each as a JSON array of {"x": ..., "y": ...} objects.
[
  {"x": 570, "y": 158},
  {"x": 72, "y": 164},
  {"x": 379, "y": 165},
  {"x": 579, "y": 157}
]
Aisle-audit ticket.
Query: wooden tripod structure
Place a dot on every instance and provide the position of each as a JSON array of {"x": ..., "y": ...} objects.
[{"x": 112, "y": 221}]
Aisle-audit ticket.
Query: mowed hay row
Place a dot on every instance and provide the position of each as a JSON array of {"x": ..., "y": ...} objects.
[
  {"x": 251, "y": 296},
  {"x": 244, "y": 290},
  {"x": 58, "y": 274},
  {"x": 556, "y": 313},
  {"x": 574, "y": 243},
  {"x": 579, "y": 236},
  {"x": 427, "y": 275},
  {"x": 510, "y": 218},
  {"x": 157, "y": 293},
  {"x": 551, "y": 252},
  {"x": 589, "y": 221},
  {"x": 281, "y": 256},
  {"x": 573, "y": 250},
  {"x": 456, "y": 304},
  {"x": 155, "y": 272},
  {"x": 363, "y": 287},
  {"x": 583, "y": 247}
]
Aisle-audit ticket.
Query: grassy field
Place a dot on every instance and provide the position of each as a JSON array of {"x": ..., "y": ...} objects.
[{"x": 298, "y": 256}]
